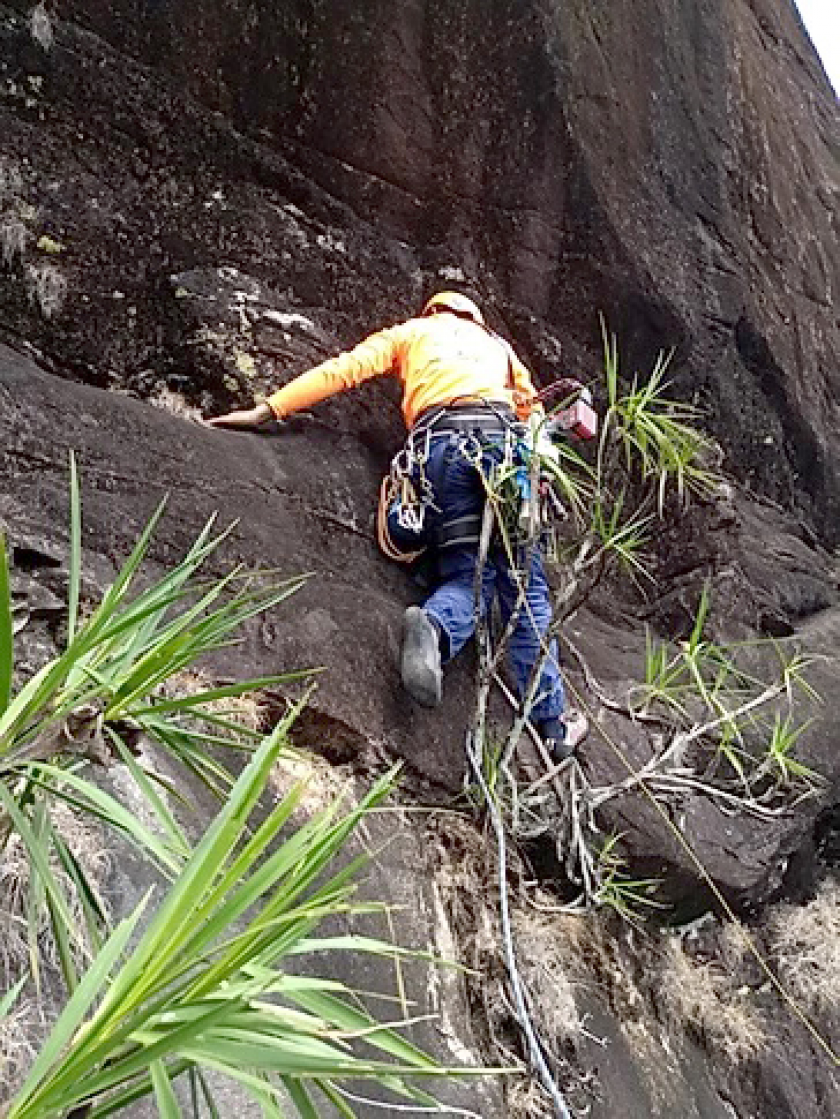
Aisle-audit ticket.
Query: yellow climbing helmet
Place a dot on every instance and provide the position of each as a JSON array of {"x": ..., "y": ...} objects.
[{"x": 456, "y": 303}]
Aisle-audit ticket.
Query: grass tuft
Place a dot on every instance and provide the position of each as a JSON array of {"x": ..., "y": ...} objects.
[
  {"x": 805, "y": 941},
  {"x": 705, "y": 1001}
]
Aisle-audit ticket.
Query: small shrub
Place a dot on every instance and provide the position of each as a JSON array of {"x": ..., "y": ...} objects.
[{"x": 198, "y": 978}]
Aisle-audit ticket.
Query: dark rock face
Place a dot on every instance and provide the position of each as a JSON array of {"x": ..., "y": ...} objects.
[
  {"x": 303, "y": 503},
  {"x": 199, "y": 201},
  {"x": 347, "y": 620},
  {"x": 675, "y": 170}
]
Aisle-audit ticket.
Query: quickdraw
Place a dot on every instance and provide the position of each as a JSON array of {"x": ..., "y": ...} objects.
[
  {"x": 409, "y": 492},
  {"x": 406, "y": 493}
]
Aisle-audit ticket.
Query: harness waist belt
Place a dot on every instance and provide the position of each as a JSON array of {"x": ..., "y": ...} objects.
[{"x": 484, "y": 418}]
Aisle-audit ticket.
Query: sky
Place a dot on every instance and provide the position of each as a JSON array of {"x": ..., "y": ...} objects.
[{"x": 822, "y": 19}]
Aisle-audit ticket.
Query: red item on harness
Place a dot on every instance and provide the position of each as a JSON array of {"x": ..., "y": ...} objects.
[{"x": 581, "y": 419}]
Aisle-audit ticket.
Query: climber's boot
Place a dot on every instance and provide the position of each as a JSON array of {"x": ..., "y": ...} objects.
[
  {"x": 421, "y": 672},
  {"x": 562, "y": 736}
]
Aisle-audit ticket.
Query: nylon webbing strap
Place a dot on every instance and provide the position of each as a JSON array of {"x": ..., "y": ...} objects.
[{"x": 459, "y": 531}]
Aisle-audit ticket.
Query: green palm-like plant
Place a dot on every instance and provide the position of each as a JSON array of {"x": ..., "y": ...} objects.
[
  {"x": 628, "y": 897},
  {"x": 210, "y": 983},
  {"x": 779, "y": 760},
  {"x": 131, "y": 643},
  {"x": 103, "y": 687},
  {"x": 205, "y": 983},
  {"x": 657, "y": 436}
]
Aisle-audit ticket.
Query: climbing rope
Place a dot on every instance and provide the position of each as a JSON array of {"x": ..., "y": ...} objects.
[
  {"x": 534, "y": 1046},
  {"x": 535, "y": 1049},
  {"x": 641, "y": 782},
  {"x": 523, "y": 1017}
]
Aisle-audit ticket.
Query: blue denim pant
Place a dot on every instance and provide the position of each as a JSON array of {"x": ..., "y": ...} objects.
[{"x": 459, "y": 492}]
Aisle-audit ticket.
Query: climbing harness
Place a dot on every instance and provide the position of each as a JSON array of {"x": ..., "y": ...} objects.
[
  {"x": 407, "y": 496},
  {"x": 509, "y": 455}
]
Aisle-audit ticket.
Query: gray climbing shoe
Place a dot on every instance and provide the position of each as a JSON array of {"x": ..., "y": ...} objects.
[
  {"x": 575, "y": 727},
  {"x": 421, "y": 672}
]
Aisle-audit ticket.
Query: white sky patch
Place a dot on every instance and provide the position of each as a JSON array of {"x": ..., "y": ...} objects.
[{"x": 822, "y": 20}]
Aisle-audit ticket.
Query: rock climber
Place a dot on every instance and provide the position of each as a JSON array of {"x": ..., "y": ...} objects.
[{"x": 460, "y": 381}]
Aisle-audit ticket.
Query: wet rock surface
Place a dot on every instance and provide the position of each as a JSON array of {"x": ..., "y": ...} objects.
[{"x": 190, "y": 227}]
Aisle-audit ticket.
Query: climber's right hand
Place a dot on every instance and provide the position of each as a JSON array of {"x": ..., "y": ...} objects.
[{"x": 246, "y": 417}]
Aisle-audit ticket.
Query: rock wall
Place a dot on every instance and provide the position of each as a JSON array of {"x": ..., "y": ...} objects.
[
  {"x": 197, "y": 201},
  {"x": 672, "y": 166}
]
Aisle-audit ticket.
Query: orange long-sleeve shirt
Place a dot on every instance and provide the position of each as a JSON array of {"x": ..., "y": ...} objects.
[{"x": 440, "y": 359}]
